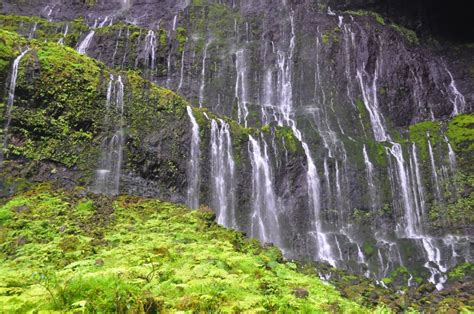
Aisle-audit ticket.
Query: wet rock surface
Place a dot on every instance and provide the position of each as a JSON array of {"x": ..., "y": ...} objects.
[{"x": 291, "y": 62}]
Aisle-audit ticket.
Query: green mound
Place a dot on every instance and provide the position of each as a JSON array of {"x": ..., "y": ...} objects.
[{"x": 68, "y": 251}]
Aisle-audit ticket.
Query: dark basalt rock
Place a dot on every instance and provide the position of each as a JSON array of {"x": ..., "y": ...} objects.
[{"x": 329, "y": 57}]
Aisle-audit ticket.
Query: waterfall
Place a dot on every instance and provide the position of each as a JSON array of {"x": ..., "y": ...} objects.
[
  {"x": 418, "y": 183},
  {"x": 369, "y": 168},
  {"x": 193, "y": 169},
  {"x": 85, "y": 43},
  {"x": 11, "y": 100},
  {"x": 108, "y": 173},
  {"x": 452, "y": 156},
  {"x": 33, "y": 31},
  {"x": 49, "y": 11},
  {"x": 284, "y": 87},
  {"x": 433, "y": 256},
  {"x": 66, "y": 29},
  {"x": 414, "y": 216},
  {"x": 116, "y": 46},
  {"x": 203, "y": 75},
  {"x": 181, "y": 72},
  {"x": 328, "y": 183},
  {"x": 439, "y": 195},
  {"x": 264, "y": 218},
  {"x": 241, "y": 87},
  {"x": 411, "y": 217},
  {"x": 222, "y": 173},
  {"x": 369, "y": 95},
  {"x": 267, "y": 102},
  {"x": 168, "y": 69},
  {"x": 175, "y": 22},
  {"x": 150, "y": 48},
  {"x": 284, "y": 117},
  {"x": 457, "y": 99},
  {"x": 127, "y": 37}
]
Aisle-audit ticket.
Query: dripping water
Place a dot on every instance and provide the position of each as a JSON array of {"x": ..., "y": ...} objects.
[{"x": 193, "y": 169}]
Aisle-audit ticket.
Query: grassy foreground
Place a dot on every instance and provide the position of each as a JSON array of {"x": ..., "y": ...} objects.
[{"x": 70, "y": 251}]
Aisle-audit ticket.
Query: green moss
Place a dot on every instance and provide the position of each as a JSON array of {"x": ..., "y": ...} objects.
[
  {"x": 10, "y": 45},
  {"x": 176, "y": 260},
  {"x": 418, "y": 134},
  {"x": 163, "y": 37},
  {"x": 5, "y": 215},
  {"x": 463, "y": 271},
  {"x": 85, "y": 208},
  {"x": 364, "y": 114},
  {"x": 181, "y": 37},
  {"x": 45, "y": 30},
  {"x": 461, "y": 133},
  {"x": 331, "y": 35},
  {"x": 286, "y": 135},
  {"x": 457, "y": 215},
  {"x": 266, "y": 128},
  {"x": 375, "y": 15},
  {"x": 368, "y": 249},
  {"x": 408, "y": 34},
  {"x": 377, "y": 152},
  {"x": 325, "y": 39},
  {"x": 61, "y": 116}
]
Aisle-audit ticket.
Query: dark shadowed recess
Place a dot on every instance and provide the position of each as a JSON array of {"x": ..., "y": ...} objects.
[{"x": 451, "y": 20}]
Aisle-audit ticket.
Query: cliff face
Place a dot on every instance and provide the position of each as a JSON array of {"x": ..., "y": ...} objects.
[{"x": 351, "y": 139}]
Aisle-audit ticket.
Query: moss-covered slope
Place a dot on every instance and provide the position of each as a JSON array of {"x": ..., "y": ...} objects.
[{"x": 66, "y": 250}]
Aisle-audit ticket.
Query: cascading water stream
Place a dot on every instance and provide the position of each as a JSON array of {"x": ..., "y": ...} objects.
[
  {"x": 241, "y": 87},
  {"x": 369, "y": 95},
  {"x": 264, "y": 220},
  {"x": 457, "y": 99},
  {"x": 150, "y": 50},
  {"x": 410, "y": 229},
  {"x": 110, "y": 166},
  {"x": 203, "y": 75},
  {"x": 11, "y": 100},
  {"x": 284, "y": 117},
  {"x": 435, "y": 178},
  {"x": 369, "y": 167},
  {"x": 193, "y": 169},
  {"x": 407, "y": 184},
  {"x": 181, "y": 72},
  {"x": 222, "y": 173},
  {"x": 33, "y": 31},
  {"x": 175, "y": 23},
  {"x": 85, "y": 43},
  {"x": 116, "y": 45},
  {"x": 452, "y": 156},
  {"x": 418, "y": 187},
  {"x": 66, "y": 29}
]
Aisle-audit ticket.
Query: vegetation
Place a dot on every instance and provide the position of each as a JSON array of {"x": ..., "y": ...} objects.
[
  {"x": 461, "y": 134},
  {"x": 64, "y": 250},
  {"x": 69, "y": 251},
  {"x": 375, "y": 15},
  {"x": 407, "y": 33},
  {"x": 421, "y": 132}
]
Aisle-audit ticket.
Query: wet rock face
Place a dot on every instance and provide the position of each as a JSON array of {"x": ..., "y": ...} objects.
[{"x": 352, "y": 84}]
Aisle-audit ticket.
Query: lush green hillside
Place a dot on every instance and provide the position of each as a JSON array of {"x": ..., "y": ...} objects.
[{"x": 67, "y": 250}]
